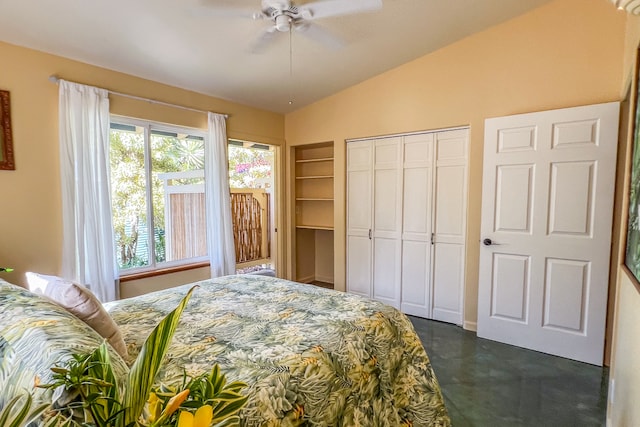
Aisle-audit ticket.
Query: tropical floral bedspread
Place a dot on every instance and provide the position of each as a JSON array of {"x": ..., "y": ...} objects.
[{"x": 311, "y": 356}]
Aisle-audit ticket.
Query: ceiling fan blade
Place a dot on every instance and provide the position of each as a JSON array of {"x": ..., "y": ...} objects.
[
  {"x": 329, "y": 8},
  {"x": 320, "y": 35},
  {"x": 260, "y": 44}
]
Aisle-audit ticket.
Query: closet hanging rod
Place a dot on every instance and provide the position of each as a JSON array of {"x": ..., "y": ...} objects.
[{"x": 56, "y": 79}]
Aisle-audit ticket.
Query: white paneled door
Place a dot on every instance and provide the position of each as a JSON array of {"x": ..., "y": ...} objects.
[
  {"x": 547, "y": 205},
  {"x": 417, "y": 219},
  {"x": 359, "y": 220},
  {"x": 449, "y": 225},
  {"x": 406, "y": 221},
  {"x": 387, "y": 220}
]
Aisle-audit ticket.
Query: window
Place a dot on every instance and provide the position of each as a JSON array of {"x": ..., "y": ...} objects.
[{"x": 157, "y": 187}]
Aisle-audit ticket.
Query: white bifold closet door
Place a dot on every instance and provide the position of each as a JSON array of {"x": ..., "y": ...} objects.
[
  {"x": 406, "y": 221},
  {"x": 417, "y": 218}
]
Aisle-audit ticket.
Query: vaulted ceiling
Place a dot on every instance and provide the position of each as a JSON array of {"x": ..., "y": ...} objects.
[{"x": 207, "y": 45}]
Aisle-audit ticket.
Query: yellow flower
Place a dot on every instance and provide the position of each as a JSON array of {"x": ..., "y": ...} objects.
[
  {"x": 174, "y": 403},
  {"x": 172, "y": 406},
  {"x": 203, "y": 417},
  {"x": 154, "y": 407},
  {"x": 185, "y": 419}
]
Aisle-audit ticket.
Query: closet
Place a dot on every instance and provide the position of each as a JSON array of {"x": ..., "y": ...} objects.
[{"x": 406, "y": 221}]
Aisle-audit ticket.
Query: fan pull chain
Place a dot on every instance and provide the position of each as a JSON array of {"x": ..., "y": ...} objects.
[{"x": 290, "y": 65}]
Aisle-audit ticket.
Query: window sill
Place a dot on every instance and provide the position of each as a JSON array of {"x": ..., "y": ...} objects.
[{"x": 161, "y": 271}]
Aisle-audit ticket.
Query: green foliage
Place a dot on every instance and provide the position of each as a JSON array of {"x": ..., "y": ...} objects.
[
  {"x": 129, "y": 189},
  {"x": 92, "y": 390},
  {"x": 90, "y": 387},
  {"x": 208, "y": 389},
  {"x": 148, "y": 362},
  {"x": 249, "y": 167},
  {"x": 18, "y": 412}
]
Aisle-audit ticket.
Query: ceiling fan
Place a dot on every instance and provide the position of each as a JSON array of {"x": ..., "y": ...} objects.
[{"x": 285, "y": 15}]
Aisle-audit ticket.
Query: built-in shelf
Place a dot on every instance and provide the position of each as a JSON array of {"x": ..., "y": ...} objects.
[
  {"x": 315, "y": 227},
  {"x": 315, "y": 177},
  {"x": 323, "y": 159},
  {"x": 313, "y": 167}
]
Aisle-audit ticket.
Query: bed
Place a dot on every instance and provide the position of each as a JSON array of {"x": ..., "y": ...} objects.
[{"x": 310, "y": 356}]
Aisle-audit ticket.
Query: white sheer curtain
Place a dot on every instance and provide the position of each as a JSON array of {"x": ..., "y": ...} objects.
[
  {"x": 88, "y": 255},
  {"x": 222, "y": 254}
]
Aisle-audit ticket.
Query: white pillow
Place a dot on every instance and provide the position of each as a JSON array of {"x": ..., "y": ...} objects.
[{"x": 79, "y": 300}]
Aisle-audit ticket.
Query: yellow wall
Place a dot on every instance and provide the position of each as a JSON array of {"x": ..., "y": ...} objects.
[
  {"x": 30, "y": 205},
  {"x": 623, "y": 408},
  {"x": 569, "y": 52},
  {"x": 566, "y": 53}
]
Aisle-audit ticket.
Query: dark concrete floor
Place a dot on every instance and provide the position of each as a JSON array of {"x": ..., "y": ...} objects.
[{"x": 486, "y": 383}]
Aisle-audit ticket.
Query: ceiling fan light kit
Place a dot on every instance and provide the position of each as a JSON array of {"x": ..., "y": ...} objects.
[
  {"x": 283, "y": 23},
  {"x": 285, "y": 15}
]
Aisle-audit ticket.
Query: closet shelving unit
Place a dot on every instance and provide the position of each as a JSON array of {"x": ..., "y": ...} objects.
[{"x": 314, "y": 207}]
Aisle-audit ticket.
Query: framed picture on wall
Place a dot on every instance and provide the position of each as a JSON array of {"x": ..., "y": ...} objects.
[
  {"x": 632, "y": 258},
  {"x": 6, "y": 141}
]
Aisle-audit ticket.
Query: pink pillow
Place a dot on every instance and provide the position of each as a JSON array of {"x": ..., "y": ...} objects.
[{"x": 79, "y": 300}]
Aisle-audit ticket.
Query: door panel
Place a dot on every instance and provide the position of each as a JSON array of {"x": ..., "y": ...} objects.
[
  {"x": 517, "y": 139},
  {"x": 386, "y": 198},
  {"x": 571, "y": 198},
  {"x": 416, "y": 278},
  {"x": 359, "y": 201},
  {"x": 417, "y": 201},
  {"x": 510, "y": 287},
  {"x": 448, "y": 267},
  {"x": 359, "y": 218},
  {"x": 547, "y": 201},
  {"x": 451, "y": 200},
  {"x": 386, "y": 269},
  {"x": 514, "y": 198},
  {"x": 359, "y": 266},
  {"x": 566, "y": 288}
]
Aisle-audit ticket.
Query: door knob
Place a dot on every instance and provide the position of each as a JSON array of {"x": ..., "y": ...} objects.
[{"x": 487, "y": 242}]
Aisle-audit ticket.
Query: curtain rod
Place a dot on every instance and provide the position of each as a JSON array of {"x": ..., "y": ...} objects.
[{"x": 56, "y": 79}]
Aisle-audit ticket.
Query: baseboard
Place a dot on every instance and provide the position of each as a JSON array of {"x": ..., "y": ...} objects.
[
  {"x": 305, "y": 279},
  {"x": 470, "y": 326}
]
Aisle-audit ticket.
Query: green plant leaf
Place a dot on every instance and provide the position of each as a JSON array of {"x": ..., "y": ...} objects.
[
  {"x": 227, "y": 409},
  {"x": 232, "y": 421},
  {"x": 6, "y": 411},
  {"x": 36, "y": 412},
  {"x": 148, "y": 362},
  {"x": 13, "y": 415},
  {"x": 23, "y": 412},
  {"x": 107, "y": 388}
]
